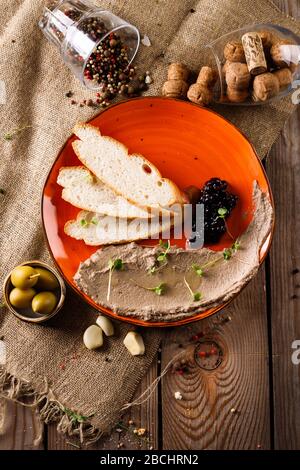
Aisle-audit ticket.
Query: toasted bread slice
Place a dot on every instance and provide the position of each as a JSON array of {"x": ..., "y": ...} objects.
[
  {"x": 131, "y": 176},
  {"x": 95, "y": 229},
  {"x": 85, "y": 191}
]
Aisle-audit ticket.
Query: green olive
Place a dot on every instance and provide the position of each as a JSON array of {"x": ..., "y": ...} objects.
[
  {"x": 46, "y": 280},
  {"x": 44, "y": 303},
  {"x": 21, "y": 298},
  {"x": 24, "y": 277}
]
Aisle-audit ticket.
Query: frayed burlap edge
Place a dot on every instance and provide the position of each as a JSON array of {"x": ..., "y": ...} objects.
[{"x": 49, "y": 408}]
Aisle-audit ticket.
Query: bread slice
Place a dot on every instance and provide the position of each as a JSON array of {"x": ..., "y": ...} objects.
[
  {"x": 131, "y": 176},
  {"x": 96, "y": 229},
  {"x": 85, "y": 191}
]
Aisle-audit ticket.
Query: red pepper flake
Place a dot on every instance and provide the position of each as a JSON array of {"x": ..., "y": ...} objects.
[
  {"x": 179, "y": 372},
  {"x": 213, "y": 352},
  {"x": 202, "y": 354},
  {"x": 62, "y": 366}
]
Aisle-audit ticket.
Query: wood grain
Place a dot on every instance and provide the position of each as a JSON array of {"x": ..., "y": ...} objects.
[
  {"x": 284, "y": 172},
  {"x": 20, "y": 428},
  {"x": 203, "y": 419}
]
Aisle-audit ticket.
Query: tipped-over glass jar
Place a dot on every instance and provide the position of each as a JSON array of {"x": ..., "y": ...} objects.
[
  {"x": 256, "y": 65},
  {"x": 95, "y": 44}
]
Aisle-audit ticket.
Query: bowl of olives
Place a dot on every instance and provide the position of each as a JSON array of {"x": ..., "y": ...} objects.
[{"x": 34, "y": 292}]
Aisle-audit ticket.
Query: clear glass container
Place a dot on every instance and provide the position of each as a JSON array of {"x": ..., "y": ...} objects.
[
  {"x": 95, "y": 44},
  {"x": 288, "y": 47}
]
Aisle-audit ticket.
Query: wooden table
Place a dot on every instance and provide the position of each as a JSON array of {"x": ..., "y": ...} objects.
[{"x": 251, "y": 401}]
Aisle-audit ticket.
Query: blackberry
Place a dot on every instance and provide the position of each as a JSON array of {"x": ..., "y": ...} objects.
[
  {"x": 215, "y": 184},
  {"x": 214, "y": 196}
]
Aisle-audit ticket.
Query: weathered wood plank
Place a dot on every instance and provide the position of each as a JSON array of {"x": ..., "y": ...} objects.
[
  {"x": 145, "y": 416},
  {"x": 284, "y": 172},
  {"x": 20, "y": 428},
  {"x": 203, "y": 419}
]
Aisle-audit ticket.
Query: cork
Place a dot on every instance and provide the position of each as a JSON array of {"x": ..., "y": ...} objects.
[{"x": 254, "y": 53}]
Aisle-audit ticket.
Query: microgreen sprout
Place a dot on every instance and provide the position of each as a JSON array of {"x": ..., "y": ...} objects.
[
  {"x": 197, "y": 269},
  {"x": 227, "y": 254},
  {"x": 162, "y": 257},
  {"x": 158, "y": 290},
  {"x": 222, "y": 214},
  {"x": 195, "y": 295},
  {"x": 236, "y": 246},
  {"x": 76, "y": 417},
  {"x": 84, "y": 223},
  {"x": 152, "y": 270},
  {"x": 113, "y": 265},
  {"x": 10, "y": 135}
]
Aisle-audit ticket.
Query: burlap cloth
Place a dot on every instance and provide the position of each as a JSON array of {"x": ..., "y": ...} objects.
[{"x": 51, "y": 360}]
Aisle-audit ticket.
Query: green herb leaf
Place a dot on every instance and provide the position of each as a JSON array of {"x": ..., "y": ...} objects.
[
  {"x": 94, "y": 221},
  {"x": 118, "y": 265},
  {"x": 163, "y": 244},
  {"x": 198, "y": 270},
  {"x": 227, "y": 254},
  {"x": 10, "y": 135},
  {"x": 160, "y": 289},
  {"x": 222, "y": 212},
  {"x": 196, "y": 296},
  {"x": 152, "y": 270},
  {"x": 83, "y": 223},
  {"x": 236, "y": 246},
  {"x": 162, "y": 257},
  {"x": 76, "y": 417}
]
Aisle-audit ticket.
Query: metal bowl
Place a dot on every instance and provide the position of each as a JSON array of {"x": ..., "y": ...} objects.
[{"x": 26, "y": 314}]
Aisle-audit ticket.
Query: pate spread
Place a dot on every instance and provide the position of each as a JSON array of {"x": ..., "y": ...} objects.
[{"x": 219, "y": 283}]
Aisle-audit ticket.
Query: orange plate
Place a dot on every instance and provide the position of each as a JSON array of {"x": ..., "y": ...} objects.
[{"x": 188, "y": 144}]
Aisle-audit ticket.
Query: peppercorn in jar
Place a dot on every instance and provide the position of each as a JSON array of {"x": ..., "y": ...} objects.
[{"x": 95, "y": 44}]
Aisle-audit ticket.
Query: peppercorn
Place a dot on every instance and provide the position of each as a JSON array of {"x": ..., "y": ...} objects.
[{"x": 113, "y": 43}]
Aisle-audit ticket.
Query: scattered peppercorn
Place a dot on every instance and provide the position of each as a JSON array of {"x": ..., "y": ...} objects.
[
  {"x": 73, "y": 102},
  {"x": 192, "y": 10},
  {"x": 69, "y": 94},
  {"x": 2, "y": 192}
]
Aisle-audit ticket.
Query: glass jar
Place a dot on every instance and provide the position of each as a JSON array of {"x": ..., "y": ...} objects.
[
  {"x": 95, "y": 44},
  {"x": 287, "y": 48}
]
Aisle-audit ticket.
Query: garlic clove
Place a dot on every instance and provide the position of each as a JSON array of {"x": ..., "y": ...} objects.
[
  {"x": 93, "y": 337},
  {"x": 134, "y": 343},
  {"x": 106, "y": 325}
]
